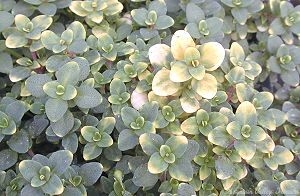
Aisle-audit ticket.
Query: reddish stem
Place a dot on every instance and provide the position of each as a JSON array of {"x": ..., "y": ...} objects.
[
  {"x": 230, "y": 145},
  {"x": 230, "y": 93},
  {"x": 30, "y": 152},
  {"x": 34, "y": 56},
  {"x": 109, "y": 64},
  {"x": 41, "y": 69}
]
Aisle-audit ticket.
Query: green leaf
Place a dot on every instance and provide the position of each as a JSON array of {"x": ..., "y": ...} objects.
[
  {"x": 29, "y": 190},
  {"x": 267, "y": 187},
  {"x": 228, "y": 3},
  {"x": 271, "y": 162},
  {"x": 181, "y": 170},
  {"x": 274, "y": 64},
  {"x": 194, "y": 13},
  {"x": 139, "y": 16},
  {"x": 29, "y": 169},
  {"x": 60, "y": 161},
  {"x": 16, "y": 40},
  {"x": 160, "y": 121},
  {"x": 78, "y": 30},
  {"x": 178, "y": 145},
  {"x": 186, "y": 189},
  {"x": 70, "y": 142},
  {"x": 246, "y": 149},
  {"x": 42, "y": 22},
  {"x": 55, "y": 62},
  {"x": 19, "y": 142},
  {"x": 282, "y": 155},
  {"x": 123, "y": 31},
  {"x": 36, "y": 182},
  {"x": 290, "y": 77},
  {"x": 8, "y": 126},
  {"x": 181, "y": 40},
  {"x": 59, "y": 48},
  {"x": 207, "y": 87},
  {"x": 6, "y": 64},
  {"x": 49, "y": 39},
  {"x": 234, "y": 128},
  {"x": 290, "y": 187},
  {"x": 267, "y": 145},
  {"x": 147, "y": 128},
  {"x": 190, "y": 126},
  {"x": 257, "y": 134},
  {"x": 64, "y": 125},
  {"x": 188, "y": 104},
  {"x": 84, "y": 67},
  {"x": 162, "y": 85},
  {"x": 88, "y": 133},
  {"x": 157, "y": 164},
  {"x": 273, "y": 43},
  {"x": 78, "y": 46},
  {"x": 117, "y": 87},
  {"x": 149, "y": 111},
  {"x": 34, "y": 2},
  {"x": 107, "y": 124},
  {"x": 204, "y": 172},
  {"x": 224, "y": 168},
  {"x": 236, "y": 75},
  {"x": 240, "y": 14},
  {"x": 285, "y": 8},
  {"x": 19, "y": 73},
  {"x": 105, "y": 141},
  {"x": 65, "y": 76},
  {"x": 158, "y": 6},
  {"x": 113, "y": 7},
  {"x": 179, "y": 72},
  {"x": 212, "y": 55},
  {"x": 165, "y": 187},
  {"x": 293, "y": 116},
  {"x": 197, "y": 72},
  {"x": 90, "y": 173},
  {"x": 113, "y": 153},
  {"x": 55, "y": 109},
  {"x": 78, "y": 9},
  {"x": 160, "y": 55},
  {"x": 127, "y": 140},
  {"x": 220, "y": 137},
  {"x": 87, "y": 97},
  {"x": 48, "y": 9},
  {"x": 54, "y": 186},
  {"x": 193, "y": 30},
  {"x": 16, "y": 110},
  {"x": 246, "y": 113},
  {"x": 9, "y": 20},
  {"x": 35, "y": 84},
  {"x": 150, "y": 142},
  {"x": 192, "y": 54},
  {"x": 244, "y": 92},
  {"x": 129, "y": 115},
  {"x": 164, "y": 22},
  {"x": 143, "y": 178},
  {"x": 8, "y": 158},
  {"x": 237, "y": 53},
  {"x": 217, "y": 119},
  {"x": 176, "y": 107},
  {"x": 91, "y": 151},
  {"x": 50, "y": 88},
  {"x": 215, "y": 25},
  {"x": 70, "y": 93},
  {"x": 70, "y": 191}
]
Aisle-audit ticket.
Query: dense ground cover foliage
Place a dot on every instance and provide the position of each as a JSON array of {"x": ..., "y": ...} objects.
[{"x": 140, "y": 97}]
